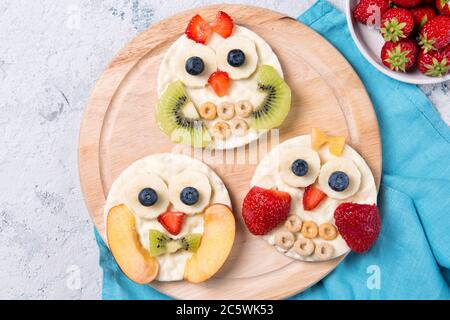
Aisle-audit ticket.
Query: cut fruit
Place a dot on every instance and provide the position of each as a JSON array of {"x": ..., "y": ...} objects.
[
  {"x": 159, "y": 243},
  {"x": 123, "y": 240},
  {"x": 171, "y": 119},
  {"x": 216, "y": 244},
  {"x": 312, "y": 198},
  {"x": 220, "y": 83},
  {"x": 191, "y": 242},
  {"x": 287, "y": 159},
  {"x": 343, "y": 165},
  {"x": 318, "y": 138},
  {"x": 275, "y": 107},
  {"x": 248, "y": 47},
  {"x": 172, "y": 221}
]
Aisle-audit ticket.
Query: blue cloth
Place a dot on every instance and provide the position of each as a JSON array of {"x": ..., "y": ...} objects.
[{"x": 411, "y": 259}]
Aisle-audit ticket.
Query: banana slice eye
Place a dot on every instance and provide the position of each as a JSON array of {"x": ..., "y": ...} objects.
[
  {"x": 340, "y": 178},
  {"x": 238, "y": 57},
  {"x": 195, "y": 65},
  {"x": 147, "y": 195},
  {"x": 190, "y": 192},
  {"x": 299, "y": 167}
]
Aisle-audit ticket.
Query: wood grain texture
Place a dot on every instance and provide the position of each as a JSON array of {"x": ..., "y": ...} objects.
[{"x": 118, "y": 128}]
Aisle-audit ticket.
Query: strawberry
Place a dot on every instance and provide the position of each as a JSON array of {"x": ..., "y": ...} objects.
[
  {"x": 220, "y": 82},
  {"x": 422, "y": 14},
  {"x": 435, "y": 63},
  {"x": 359, "y": 225},
  {"x": 443, "y": 6},
  {"x": 223, "y": 24},
  {"x": 198, "y": 29},
  {"x": 264, "y": 209},
  {"x": 366, "y": 9},
  {"x": 435, "y": 33},
  {"x": 312, "y": 197},
  {"x": 396, "y": 23},
  {"x": 400, "y": 56},
  {"x": 406, "y": 3},
  {"x": 429, "y": 2},
  {"x": 172, "y": 221}
]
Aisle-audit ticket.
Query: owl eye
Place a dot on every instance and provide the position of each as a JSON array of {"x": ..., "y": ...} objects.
[
  {"x": 338, "y": 181},
  {"x": 195, "y": 66},
  {"x": 236, "y": 58},
  {"x": 340, "y": 178},
  {"x": 148, "y": 197},
  {"x": 298, "y": 167}
]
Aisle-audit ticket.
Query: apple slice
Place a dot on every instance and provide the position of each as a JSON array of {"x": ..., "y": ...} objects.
[
  {"x": 217, "y": 241},
  {"x": 123, "y": 240}
]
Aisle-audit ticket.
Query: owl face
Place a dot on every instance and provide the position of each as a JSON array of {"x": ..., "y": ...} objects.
[{"x": 220, "y": 81}]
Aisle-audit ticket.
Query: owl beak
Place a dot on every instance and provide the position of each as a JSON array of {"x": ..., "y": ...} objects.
[{"x": 220, "y": 82}]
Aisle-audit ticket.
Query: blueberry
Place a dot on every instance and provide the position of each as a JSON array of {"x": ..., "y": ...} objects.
[
  {"x": 338, "y": 181},
  {"x": 189, "y": 196},
  {"x": 300, "y": 167},
  {"x": 148, "y": 197},
  {"x": 236, "y": 58},
  {"x": 195, "y": 66}
]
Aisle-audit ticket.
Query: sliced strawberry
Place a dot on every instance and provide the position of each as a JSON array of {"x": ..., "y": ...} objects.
[
  {"x": 312, "y": 197},
  {"x": 223, "y": 24},
  {"x": 198, "y": 29},
  {"x": 220, "y": 82},
  {"x": 172, "y": 221}
]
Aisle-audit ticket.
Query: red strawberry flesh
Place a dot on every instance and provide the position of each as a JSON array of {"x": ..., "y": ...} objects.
[
  {"x": 312, "y": 197},
  {"x": 223, "y": 24},
  {"x": 220, "y": 82},
  {"x": 198, "y": 29},
  {"x": 172, "y": 221}
]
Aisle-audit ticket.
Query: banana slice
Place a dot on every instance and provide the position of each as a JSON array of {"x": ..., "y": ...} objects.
[
  {"x": 143, "y": 181},
  {"x": 248, "y": 47},
  {"x": 209, "y": 60},
  {"x": 193, "y": 179},
  {"x": 349, "y": 168},
  {"x": 286, "y": 161}
]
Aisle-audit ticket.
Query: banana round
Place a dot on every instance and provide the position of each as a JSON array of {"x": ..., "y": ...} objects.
[
  {"x": 288, "y": 156},
  {"x": 209, "y": 59},
  {"x": 251, "y": 57},
  {"x": 340, "y": 164},
  {"x": 189, "y": 178},
  {"x": 140, "y": 182}
]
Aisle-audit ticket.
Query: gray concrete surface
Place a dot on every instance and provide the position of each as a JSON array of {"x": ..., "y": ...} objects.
[{"x": 51, "y": 54}]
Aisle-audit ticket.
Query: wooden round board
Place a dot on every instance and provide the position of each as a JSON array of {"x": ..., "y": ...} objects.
[{"x": 119, "y": 127}]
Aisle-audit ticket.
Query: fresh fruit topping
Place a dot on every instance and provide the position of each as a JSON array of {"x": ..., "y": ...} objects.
[
  {"x": 435, "y": 63},
  {"x": 284, "y": 239},
  {"x": 198, "y": 29},
  {"x": 190, "y": 191},
  {"x": 336, "y": 143},
  {"x": 216, "y": 243},
  {"x": 310, "y": 229},
  {"x": 189, "y": 196},
  {"x": 327, "y": 231},
  {"x": 195, "y": 66},
  {"x": 172, "y": 221},
  {"x": 345, "y": 165},
  {"x": 312, "y": 197},
  {"x": 366, "y": 10},
  {"x": 172, "y": 120},
  {"x": 123, "y": 240},
  {"x": 239, "y": 127},
  {"x": 397, "y": 23},
  {"x": 318, "y": 138},
  {"x": 226, "y": 111},
  {"x": 359, "y": 225},
  {"x": 160, "y": 243},
  {"x": 401, "y": 55},
  {"x": 236, "y": 58},
  {"x": 338, "y": 181},
  {"x": 421, "y": 15},
  {"x": 191, "y": 242},
  {"x": 223, "y": 24},
  {"x": 208, "y": 111},
  {"x": 406, "y": 3},
  {"x": 243, "y": 108},
  {"x": 300, "y": 167},
  {"x": 221, "y": 130},
  {"x": 264, "y": 209},
  {"x": 435, "y": 33},
  {"x": 443, "y": 6},
  {"x": 148, "y": 197},
  {"x": 275, "y": 107},
  {"x": 220, "y": 82}
]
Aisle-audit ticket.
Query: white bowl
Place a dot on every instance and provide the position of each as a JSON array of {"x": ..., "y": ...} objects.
[{"x": 369, "y": 42}]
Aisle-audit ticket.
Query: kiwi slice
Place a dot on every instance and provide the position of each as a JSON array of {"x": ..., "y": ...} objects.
[
  {"x": 275, "y": 107},
  {"x": 191, "y": 242},
  {"x": 158, "y": 242},
  {"x": 177, "y": 117}
]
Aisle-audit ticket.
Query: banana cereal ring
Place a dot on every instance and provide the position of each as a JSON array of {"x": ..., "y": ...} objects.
[
  {"x": 304, "y": 247},
  {"x": 221, "y": 130},
  {"x": 284, "y": 239},
  {"x": 208, "y": 111},
  {"x": 225, "y": 110},
  {"x": 309, "y": 229},
  {"x": 244, "y": 108},
  {"x": 327, "y": 231},
  {"x": 294, "y": 223},
  {"x": 324, "y": 251},
  {"x": 239, "y": 127}
]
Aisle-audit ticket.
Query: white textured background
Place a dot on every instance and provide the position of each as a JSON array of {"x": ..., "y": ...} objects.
[{"x": 51, "y": 54}]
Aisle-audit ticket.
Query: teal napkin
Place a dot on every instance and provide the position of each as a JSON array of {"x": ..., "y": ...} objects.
[{"x": 411, "y": 259}]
